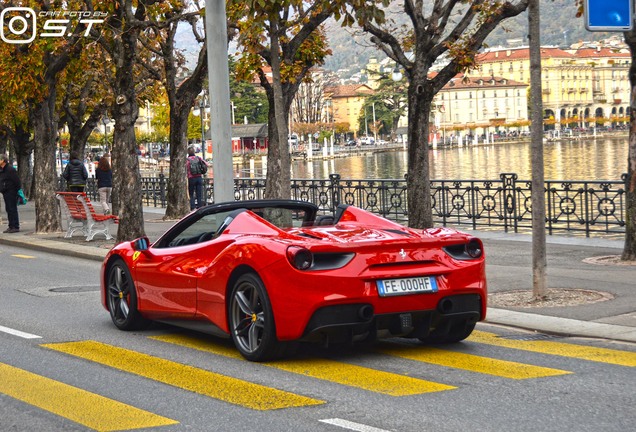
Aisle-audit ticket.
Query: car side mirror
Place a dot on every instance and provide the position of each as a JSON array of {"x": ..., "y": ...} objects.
[{"x": 141, "y": 244}]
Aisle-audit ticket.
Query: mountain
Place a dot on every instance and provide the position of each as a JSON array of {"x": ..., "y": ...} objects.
[{"x": 559, "y": 26}]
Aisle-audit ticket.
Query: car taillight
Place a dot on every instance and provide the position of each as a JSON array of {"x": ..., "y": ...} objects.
[
  {"x": 299, "y": 257},
  {"x": 473, "y": 248}
]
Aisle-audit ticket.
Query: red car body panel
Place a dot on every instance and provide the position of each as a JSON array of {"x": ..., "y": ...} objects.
[{"x": 192, "y": 281}]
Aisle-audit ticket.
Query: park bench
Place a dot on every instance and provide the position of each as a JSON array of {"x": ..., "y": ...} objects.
[{"x": 81, "y": 215}]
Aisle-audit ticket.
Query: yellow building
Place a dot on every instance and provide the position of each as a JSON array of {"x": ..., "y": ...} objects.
[
  {"x": 580, "y": 87},
  {"x": 347, "y": 102}
]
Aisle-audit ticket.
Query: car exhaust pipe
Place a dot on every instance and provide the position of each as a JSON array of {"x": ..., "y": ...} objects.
[
  {"x": 365, "y": 312},
  {"x": 446, "y": 306}
]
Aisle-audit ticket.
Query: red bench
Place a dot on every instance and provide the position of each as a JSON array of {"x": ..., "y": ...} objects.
[{"x": 81, "y": 215}]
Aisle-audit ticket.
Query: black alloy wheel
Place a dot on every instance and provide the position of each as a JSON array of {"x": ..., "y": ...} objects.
[
  {"x": 251, "y": 320},
  {"x": 122, "y": 298}
]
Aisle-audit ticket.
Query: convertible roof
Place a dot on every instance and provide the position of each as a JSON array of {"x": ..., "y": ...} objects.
[{"x": 259, "y": 204}]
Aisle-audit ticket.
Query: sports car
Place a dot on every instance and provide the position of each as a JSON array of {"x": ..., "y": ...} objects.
[{"x": 272, "y": 273}]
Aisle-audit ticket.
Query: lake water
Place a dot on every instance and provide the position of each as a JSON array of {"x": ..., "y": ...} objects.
[{"x": 581, "y": 159}]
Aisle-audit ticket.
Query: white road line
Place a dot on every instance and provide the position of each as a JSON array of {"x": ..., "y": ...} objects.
[
  {"x": 19, "y": 333},
  {"x": 346, "y": 424}
]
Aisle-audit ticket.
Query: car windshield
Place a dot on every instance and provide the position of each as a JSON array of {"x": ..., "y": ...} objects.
[{"x": 204, "y": 229}]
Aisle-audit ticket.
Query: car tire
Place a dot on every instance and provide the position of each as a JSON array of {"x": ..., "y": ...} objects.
[
  {"x": 455, "y": 332},
  {"x": 251, "y": 320},
  {"x": 121, "y": 297}
]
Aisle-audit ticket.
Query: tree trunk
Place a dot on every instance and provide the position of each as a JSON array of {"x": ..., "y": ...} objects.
[
  {"x": 278, "y": 180},
  {"x": 629, "y": 250},
  {"x": 23, "y": 146},
  {"x": 125, "y": 163},
  {"x": 126, "y": 177},
  {"x": 539, "y": 264},
  {"x": 418, "y": 176},
  {"x": 47, "y": 215},
  {"x": 178, "y": 204}
]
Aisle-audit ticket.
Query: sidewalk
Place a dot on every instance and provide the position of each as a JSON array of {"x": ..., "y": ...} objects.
[{"x": 509, "y": 267}]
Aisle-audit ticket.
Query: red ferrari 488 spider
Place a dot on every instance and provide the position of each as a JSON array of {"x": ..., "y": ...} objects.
[{"x": 271, "y": 273}]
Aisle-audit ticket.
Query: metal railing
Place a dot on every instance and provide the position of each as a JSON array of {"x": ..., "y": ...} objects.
[{"x": 578, "y": 207}]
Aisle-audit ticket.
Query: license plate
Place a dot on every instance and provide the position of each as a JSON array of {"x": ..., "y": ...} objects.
[{"x": 405, "y": 286}]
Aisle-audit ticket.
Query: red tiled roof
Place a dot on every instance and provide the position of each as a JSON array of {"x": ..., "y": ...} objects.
[
  {"x": 465, "y": 82},
  {"x": 520, "y": 53},
  {"x": 601, "y": 52},
  {"x": 348, "y": 90}
]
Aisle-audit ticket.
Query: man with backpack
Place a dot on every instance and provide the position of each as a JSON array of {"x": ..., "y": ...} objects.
[{"x": 196, "y": 168}]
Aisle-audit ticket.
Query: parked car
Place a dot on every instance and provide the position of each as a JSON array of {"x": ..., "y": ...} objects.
[
  {"x": 271, "y": 273},
  {"x": 367, "y": 141},
  {"x": 351, "y": 143}
]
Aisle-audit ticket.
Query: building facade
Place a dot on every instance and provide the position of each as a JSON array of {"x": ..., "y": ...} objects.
[{"x": 581, "y": 87}]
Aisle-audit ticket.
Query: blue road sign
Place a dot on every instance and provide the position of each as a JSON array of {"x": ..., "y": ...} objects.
[{"x": 609, "y": 15}]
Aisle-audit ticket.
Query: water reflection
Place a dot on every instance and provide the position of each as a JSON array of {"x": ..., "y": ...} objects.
[{"x": 586, "y": 159}]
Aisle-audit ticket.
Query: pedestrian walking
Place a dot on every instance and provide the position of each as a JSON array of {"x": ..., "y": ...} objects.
[
  {"x": 9, "y": 186},
  {"x": 195, "y": 167},
  {"x": 75, "y": 173},
  {"x": 104, "y": 175}
]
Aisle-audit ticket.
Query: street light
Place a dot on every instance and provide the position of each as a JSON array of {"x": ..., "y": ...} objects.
[
  {"x": 375, "y": 126},
  {"x": 201, "y": 112},
  {"x": 396, "y": 75},
  {"x": 105, "y": 120},
  {"x": 148, "y": 127}
]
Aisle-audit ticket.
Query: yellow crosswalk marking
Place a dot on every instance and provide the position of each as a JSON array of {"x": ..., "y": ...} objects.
[
  {"x": 23, "y": 256},
  {"x": 88, "y": 409},
  {"x": 197, "y": 380},
  {"x": 470, "y": 362},
  {"x": 328, "y": 370},
  {"x": 601, "y": 355}
]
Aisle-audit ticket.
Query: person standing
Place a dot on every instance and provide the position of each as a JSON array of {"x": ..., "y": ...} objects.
[
  {"x": 9, "y": 186},
  {"x": 75, "y": 173},
  {"x": 195, "y": 167},
  {"x": 104, "y": 175}
]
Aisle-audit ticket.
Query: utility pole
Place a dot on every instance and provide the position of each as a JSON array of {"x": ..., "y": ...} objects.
[
  {"x": 375, "y": 127},
  {"x": 219, "y": 91},
  {"x": 539, "y": 290}
]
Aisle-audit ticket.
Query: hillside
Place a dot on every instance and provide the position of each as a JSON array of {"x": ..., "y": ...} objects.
[{"x": 559, "y": 26}]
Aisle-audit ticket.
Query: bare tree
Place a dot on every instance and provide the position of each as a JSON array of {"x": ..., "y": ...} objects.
[{"x": 452, "y": 28}]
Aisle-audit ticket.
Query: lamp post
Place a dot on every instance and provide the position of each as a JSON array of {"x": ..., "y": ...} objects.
[
  {"x": 375, "y": 126},
  {"x": 396, "y": 76},
  {"x": 202, "y": 114},
  {"x": 233, "y": 108},
  {"x": 148, "y": 127},
  {"x": 104, "y": 121}
]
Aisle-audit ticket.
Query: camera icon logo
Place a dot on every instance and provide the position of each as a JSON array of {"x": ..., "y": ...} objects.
[{"x": 17, "y": 25}]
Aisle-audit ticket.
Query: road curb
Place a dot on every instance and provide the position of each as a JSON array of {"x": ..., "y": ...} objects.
[
  {"x": 56, "y": 247},
  {"x": 560, "y": 326}
]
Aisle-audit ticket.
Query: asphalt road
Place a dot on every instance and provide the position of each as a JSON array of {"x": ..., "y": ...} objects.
[{"x": 71, "y": 369}]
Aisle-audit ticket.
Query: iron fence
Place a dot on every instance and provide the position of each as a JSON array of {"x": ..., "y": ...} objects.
[{"x": 580, "y": 207}]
